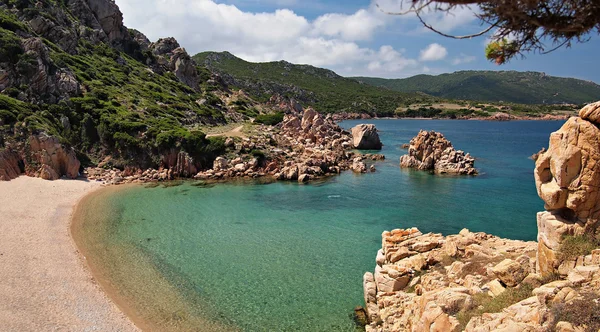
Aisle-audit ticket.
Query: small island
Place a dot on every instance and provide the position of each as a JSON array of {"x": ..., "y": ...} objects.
[{"x": 431, "y": 151}]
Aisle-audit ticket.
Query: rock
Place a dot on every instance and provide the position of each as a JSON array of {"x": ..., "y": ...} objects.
[
  {"x": 360, "y": 316},
  {"x": 47, "y": 173},
  {"x": 47, "y": 151},
  {"x": 510, "y": 272},
  {"x": 432, "y": 151},
  {"x": 304, "y": 178},
  {"x": 358, "y": 166},
  {"x": 365, "y": 137},
  {"x": 591, "y": 113},
  {"x": 370, "y": 293},
  {"x": 568, "y": 182},
  {"x": 372, "y": 168},
  {"x": 174, "y": 58},
  {"x": 11, "y": 165},
  {"x": 220, "y": 163},
  {"x": 495, "y": 288}
]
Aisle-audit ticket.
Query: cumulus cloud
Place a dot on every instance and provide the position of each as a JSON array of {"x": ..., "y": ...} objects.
[
  {"x": 358, "y": 26},
  {"x": 433, "y": 52},
  {"x": 332, "y": 40}
]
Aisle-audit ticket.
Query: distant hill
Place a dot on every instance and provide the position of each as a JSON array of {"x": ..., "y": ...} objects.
[
  {"x": 495, "y": 86},
  {"x": 311, "y": 86}
]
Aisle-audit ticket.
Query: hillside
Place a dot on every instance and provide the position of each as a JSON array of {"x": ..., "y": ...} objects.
[
  {"x": 71, "y": 70},
  {"x": 311, "y": 86},
  {"x": 496, "y": 86}
]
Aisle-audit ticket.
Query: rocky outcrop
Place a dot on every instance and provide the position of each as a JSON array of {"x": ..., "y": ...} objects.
[
  {"x": 431, "y": 151},
  {"x": 422, "y": 281},
  {"x": 288, "y": 106},
  {"x": 55, "y": 159},
  {"x": 365, "y": 137},
  {"x": 567, "y": 178},
  {"x": 11, "y": 165},
  {"x": 42, "y": 156},
  {"x": 174, "y": 58},
  {"x": 478, "y": 282}
]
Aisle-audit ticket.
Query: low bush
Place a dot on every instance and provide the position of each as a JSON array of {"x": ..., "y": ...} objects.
[
  {"x": 484, "y": 303},
  {"x": 574, "y": 246},
  {"x": 583, "y": 311},
  {"x": 269, "y": 119}
]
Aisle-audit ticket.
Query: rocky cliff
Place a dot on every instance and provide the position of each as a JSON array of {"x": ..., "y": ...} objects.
[
  {"x": 71, "y": 71},
  {"x": 478, "y": 282},
  {"x": 431, "y": 151}
]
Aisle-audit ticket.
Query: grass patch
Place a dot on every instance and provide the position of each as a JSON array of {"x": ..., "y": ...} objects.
[
  {"x": 581, "y": 311},
  {"x": 575, "y": 246},
  {"x": 484, "y": 303}
]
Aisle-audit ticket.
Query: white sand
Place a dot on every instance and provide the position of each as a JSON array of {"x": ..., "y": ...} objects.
[{"x": 44, "y": 282}]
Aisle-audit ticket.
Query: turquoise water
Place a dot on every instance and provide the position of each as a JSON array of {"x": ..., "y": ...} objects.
[{"x": 290, "y": 257}]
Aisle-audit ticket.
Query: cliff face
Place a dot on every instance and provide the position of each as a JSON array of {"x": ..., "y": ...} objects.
[{"x": 478, "y": 282}]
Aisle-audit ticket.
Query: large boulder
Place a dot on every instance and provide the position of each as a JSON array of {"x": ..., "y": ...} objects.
[
  {"x": 510, "y": 272},
  {"x": 567, "y": 177},
  {"x": 432, "y": 151},
  {"x": 56, "y": 160},
  {"x": 365, "y": 137}
]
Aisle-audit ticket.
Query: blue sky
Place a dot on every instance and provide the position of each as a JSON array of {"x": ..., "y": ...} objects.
[{"x": 351, "y": 37}]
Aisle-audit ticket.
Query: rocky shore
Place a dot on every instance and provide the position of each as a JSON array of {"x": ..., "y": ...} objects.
[
  {"x": 304, "y": 147},
  {"x": 431, "y": 151},
  {"x": 479, "y": 282}
]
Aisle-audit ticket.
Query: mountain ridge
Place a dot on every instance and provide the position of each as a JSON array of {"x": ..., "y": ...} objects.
[{"x": 527, "y": 87}]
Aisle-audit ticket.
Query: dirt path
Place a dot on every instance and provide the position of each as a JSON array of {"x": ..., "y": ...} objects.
[{"x": 235, "y": 132}]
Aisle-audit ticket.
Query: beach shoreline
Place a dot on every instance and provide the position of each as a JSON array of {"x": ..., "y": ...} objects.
[{"x": 47, "y": 284}]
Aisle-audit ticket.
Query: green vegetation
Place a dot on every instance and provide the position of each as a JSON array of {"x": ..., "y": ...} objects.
[
  {"x": 311, "y": 86},
  {"x": 484, "y": 303},
  {"x": 124, "y": 109},
  {"x": 575, "y": 246},
  {"x": 496, "y": 86},
  {"x": 269, "y": 119},
  {"x": 582, "y": 311}
]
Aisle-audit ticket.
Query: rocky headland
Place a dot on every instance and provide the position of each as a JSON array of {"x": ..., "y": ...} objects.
[
  {"x": 479, "y": 282},
  {"x": 431, "y": 151},
  {"x": 304, "y": 147}
]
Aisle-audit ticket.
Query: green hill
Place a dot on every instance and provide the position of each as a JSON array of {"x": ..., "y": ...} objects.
[
  {"x": 311, "y": 86},
  {"x": 101, "y": 88},
  {"x": 496, "y": 86}
]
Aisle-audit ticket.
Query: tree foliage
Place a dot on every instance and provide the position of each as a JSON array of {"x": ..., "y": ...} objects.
[{"x": 521, "y": 26}]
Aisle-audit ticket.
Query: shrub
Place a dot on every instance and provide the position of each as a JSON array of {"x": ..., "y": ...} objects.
[
  {"x": 258, "y": 154},
  {"x": 574, "y": 246},
  {"x": 11, "y": 48},
  {"x": 487, "y": 304},
  {"x": 269, "y": 119},
  {"x": 581, "y": 311}
]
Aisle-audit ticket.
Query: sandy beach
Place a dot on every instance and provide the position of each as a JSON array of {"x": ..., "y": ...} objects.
[{"x": 45, "y": 284}]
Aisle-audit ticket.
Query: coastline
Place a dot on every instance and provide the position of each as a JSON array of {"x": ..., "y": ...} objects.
[
  {"x": 46, "y": 283},
  {"x": 129, "y": 277}
]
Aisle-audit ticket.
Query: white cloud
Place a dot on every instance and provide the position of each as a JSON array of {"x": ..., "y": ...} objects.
[
  {"x": 358, "y": 26},
  {"x": 433, "y": 52},
  {"x": 332, "y": 40},
  {"x": 463, "y": 58}
]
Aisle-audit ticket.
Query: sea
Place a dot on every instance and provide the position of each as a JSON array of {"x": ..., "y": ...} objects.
[{"x": 259, "y": 256}]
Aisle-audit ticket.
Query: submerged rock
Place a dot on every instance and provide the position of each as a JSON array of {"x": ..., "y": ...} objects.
[{"x": 432, "y": 151}]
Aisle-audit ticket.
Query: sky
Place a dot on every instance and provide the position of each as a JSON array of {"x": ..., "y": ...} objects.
[{"x": 350, "y": 37}]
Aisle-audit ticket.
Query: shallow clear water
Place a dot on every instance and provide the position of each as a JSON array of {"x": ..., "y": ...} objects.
[{"x": 288, "y": 257}]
